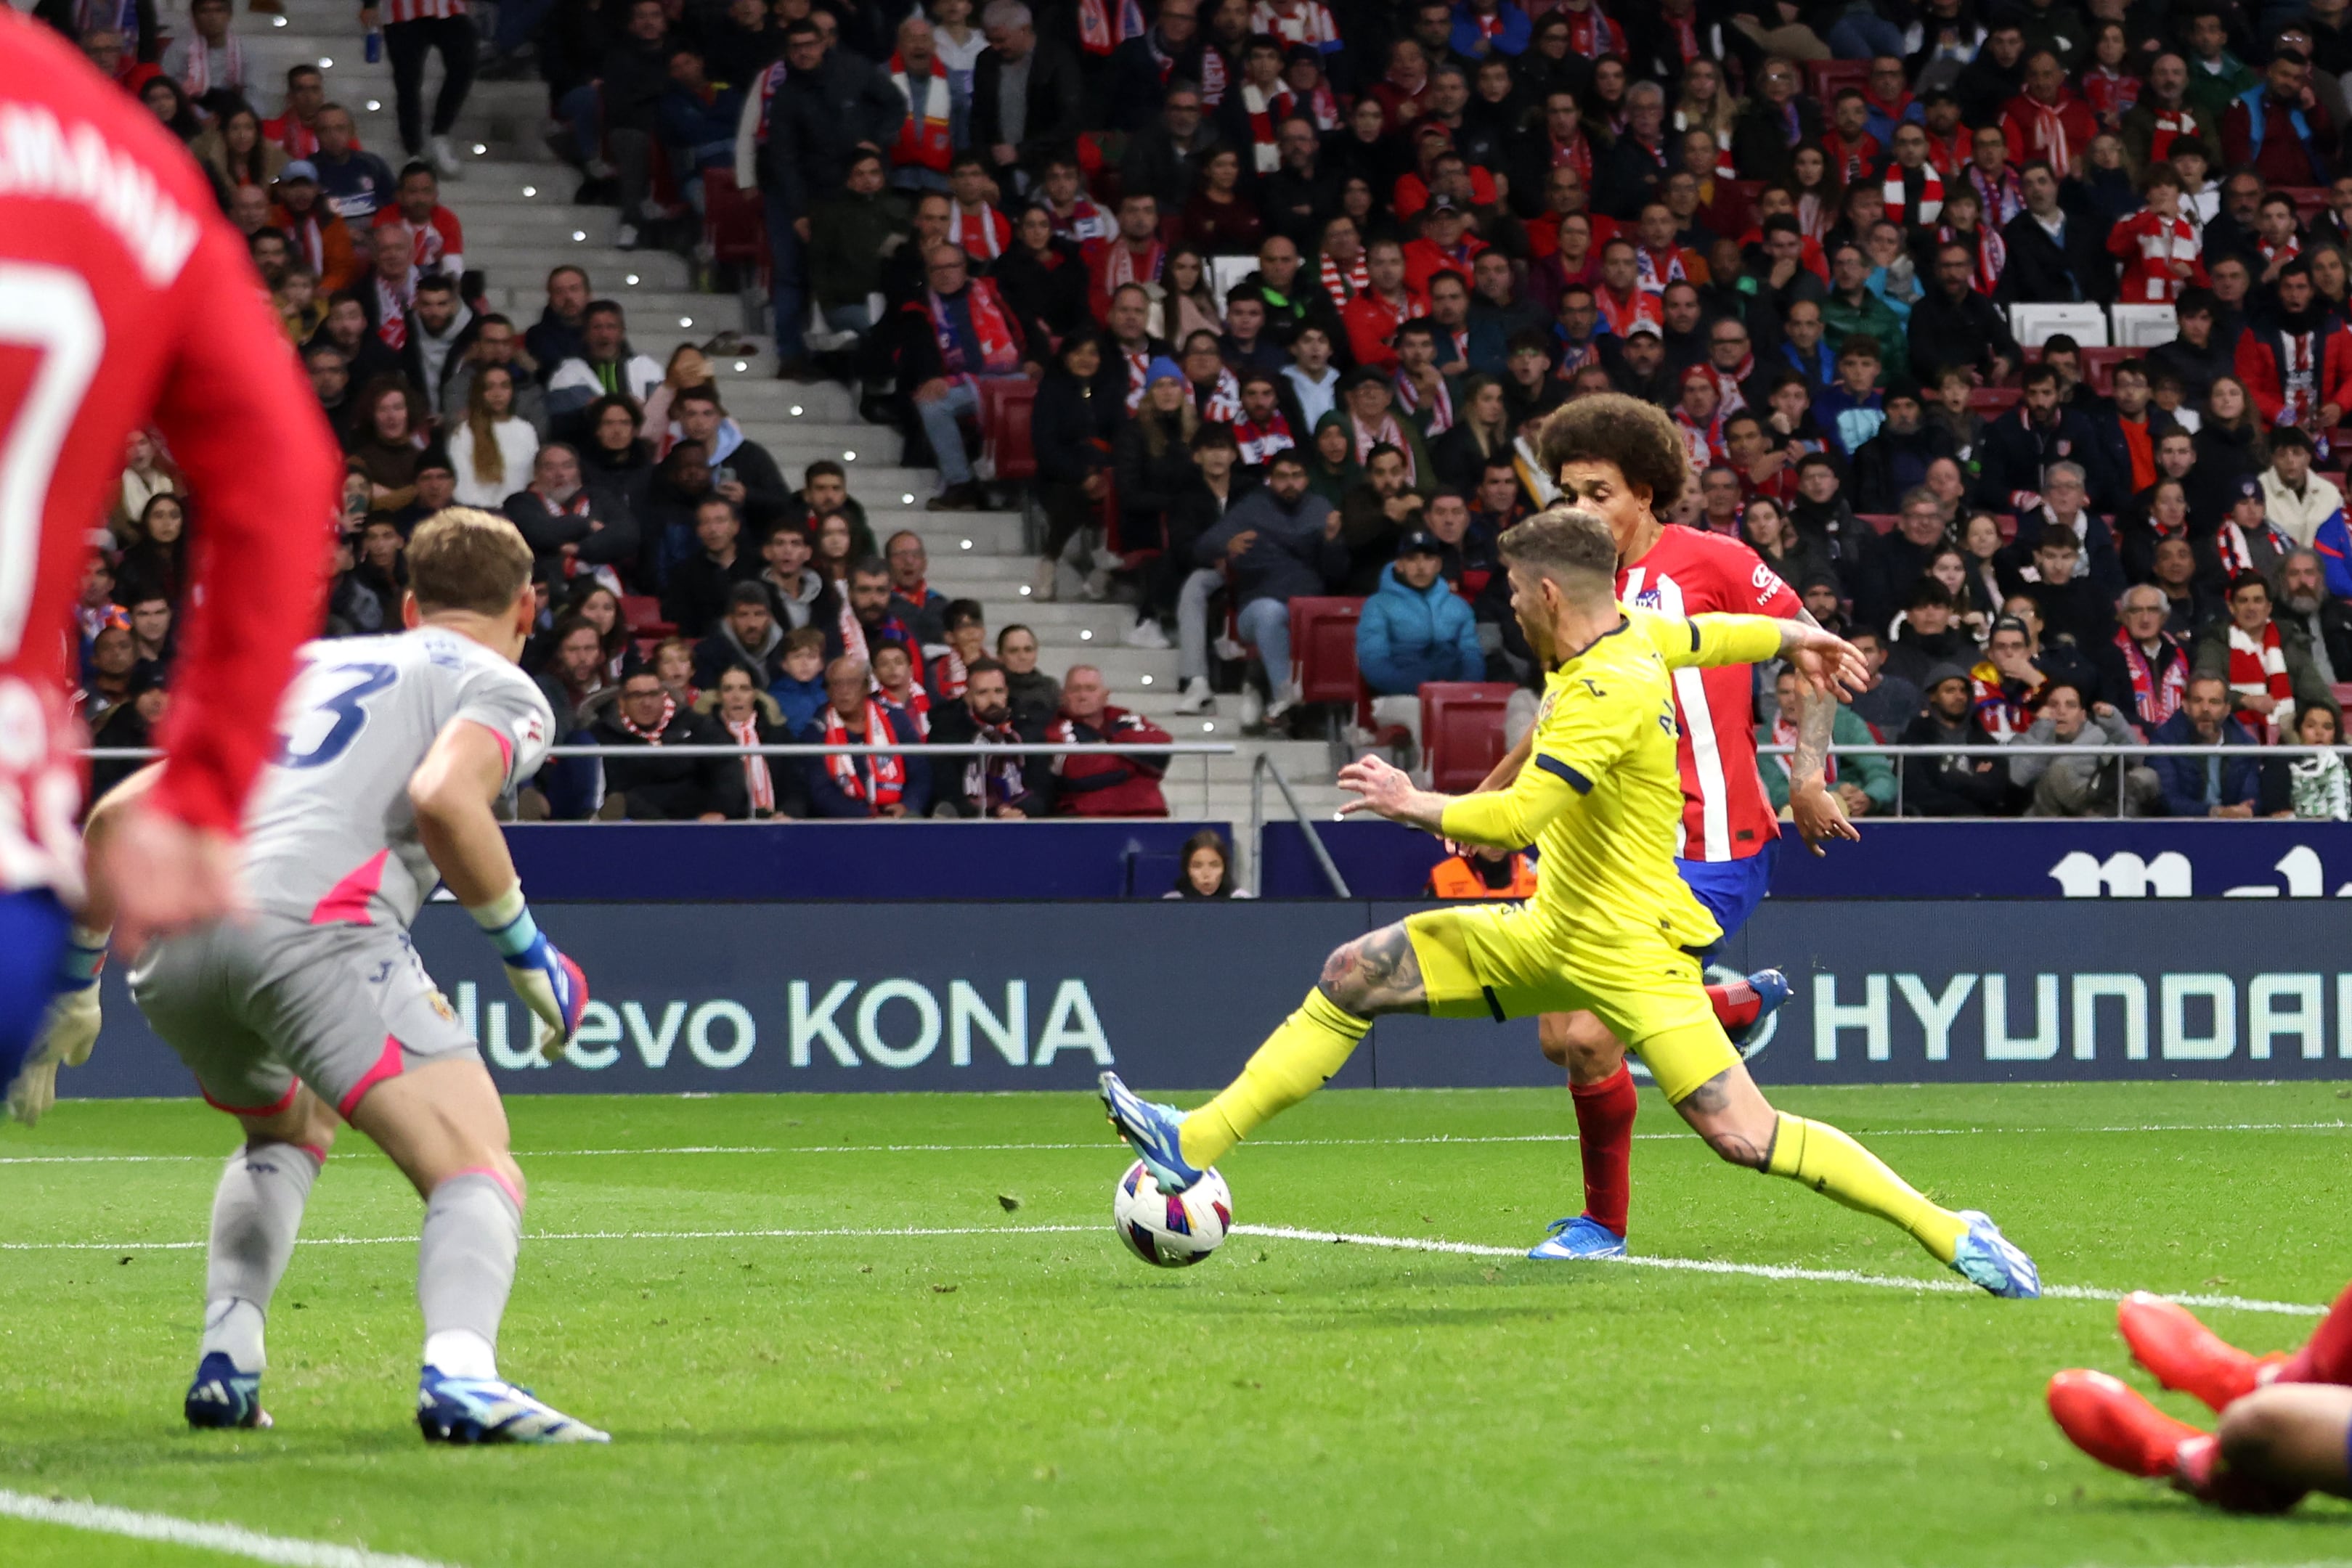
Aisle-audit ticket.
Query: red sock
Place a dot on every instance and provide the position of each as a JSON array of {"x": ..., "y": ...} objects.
[
  {"x": 1604, "y": 1138},
  {"x": 2326, "y": 1356},
  {"x": 1735, "y": 1004}
]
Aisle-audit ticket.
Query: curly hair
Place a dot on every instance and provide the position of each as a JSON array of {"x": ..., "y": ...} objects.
[{"x": 1610, "y": 427}]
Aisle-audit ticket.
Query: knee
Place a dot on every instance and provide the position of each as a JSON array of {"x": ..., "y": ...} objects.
[
  {"x": 1581, "y": 1044},
  {"x": 2252, "y": 1431},
  {"x": 1737, "y": 1149},
  {"x": 1343, "y": 980}
]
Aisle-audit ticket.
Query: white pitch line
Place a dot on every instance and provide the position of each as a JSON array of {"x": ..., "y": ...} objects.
[
  {"x": 1270, "y": 1232},
  {"x": 233, "y": 1540},
  {"x": 1436, "y": 1138}
]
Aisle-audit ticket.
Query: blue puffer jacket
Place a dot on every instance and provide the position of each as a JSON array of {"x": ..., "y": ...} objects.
[{"x": 1407, "y": 637}]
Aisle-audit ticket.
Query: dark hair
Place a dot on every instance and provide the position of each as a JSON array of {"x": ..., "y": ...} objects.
[
  {"x": 1206, "y": 838},
  {"x": 1610, "y": 427},
  {"x": 698, "y": 394},
  {"x": 1289, "y": 456},
  {"x": 602, "y": 308},
  {"x": 869, "y": 566},
  {"x": 2246, "y": 580},
  {"x": 822, "y": 467},
  {"x": 2035, "y": 374},
  {"x": 1927, "y": 592},
  {"x": 962, "y": 612},
  {"x": 986, "y": 666}
]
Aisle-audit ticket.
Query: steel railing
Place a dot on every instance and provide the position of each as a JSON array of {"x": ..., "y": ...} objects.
[{"x": 2103, "y": 751}]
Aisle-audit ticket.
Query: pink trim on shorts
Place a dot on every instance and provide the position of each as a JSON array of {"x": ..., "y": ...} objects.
[
  {"x": 347, "y": 901},
  {"x": 497, "y": 1175},
  {"x": 314, "y": 1151},
  {"x": 387, "y": 1065},
  {"x": 271, "y": 1110}
]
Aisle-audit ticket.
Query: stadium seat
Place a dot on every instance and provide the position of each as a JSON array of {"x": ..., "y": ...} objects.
[
  {"x": 1823, "y": 77},
  {"x": 1989, "y": 401},
  {"x": 2310, "y": 201},
  {"x": 2342, "y": 692},
  {"x": 1006, "y": 407},
  {"x": 1323, "y": 649},
  {"x": 1461, "y": 731},
  {"x": 1882, "y": 521},
  {"x": 2144, "y": 325},
  {"x": 641, "y": 612},
  {"x": 1227, "y": 274},
  {"x": 2032, "y": 324},
  {"x": 731, "y": 223}
]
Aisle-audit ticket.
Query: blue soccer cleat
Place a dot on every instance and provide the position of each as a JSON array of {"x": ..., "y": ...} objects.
[
  {"x": 1769, "y": 991},
  {"x": 1577, "y": 1240},
  {"x": 1990, "y": 1261},
  {"x": 469, "y": 1410},
  {"x": 223, "y": 1396},
  {"x": 1153, "y": 1131}
]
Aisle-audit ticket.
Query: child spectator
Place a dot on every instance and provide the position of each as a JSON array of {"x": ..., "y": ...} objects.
[
  {"x": 1204, "y": 869},
  {"x": 799, "y": 685}
]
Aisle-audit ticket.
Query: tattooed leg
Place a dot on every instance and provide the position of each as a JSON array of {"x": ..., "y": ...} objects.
[
  {"x": 1729, "y": 1111},
  {"x": 1375, "y": 974}
]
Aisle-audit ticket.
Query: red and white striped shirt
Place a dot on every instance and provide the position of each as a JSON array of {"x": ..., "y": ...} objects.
[
  {"x": 418, "y": 10},
  {"x": 1727, "y": 815}
]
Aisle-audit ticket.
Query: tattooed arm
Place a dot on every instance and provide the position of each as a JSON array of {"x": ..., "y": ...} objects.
[{"x": 1813, "y": 806}]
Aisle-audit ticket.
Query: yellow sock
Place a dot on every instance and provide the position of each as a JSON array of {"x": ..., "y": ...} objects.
[
  {"x": 1826, "y": 1160},
  {"x": 1312, "y": 1044}
]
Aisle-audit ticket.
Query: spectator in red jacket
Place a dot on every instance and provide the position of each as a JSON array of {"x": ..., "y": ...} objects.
[
  {"x": 1110, "y": 785},
  {"x": 2297, "y": 365},
  {"x": 2047, "y": 120}
]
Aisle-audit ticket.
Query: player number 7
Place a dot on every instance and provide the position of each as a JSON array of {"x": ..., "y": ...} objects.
[{"x": 50, "y": 310}]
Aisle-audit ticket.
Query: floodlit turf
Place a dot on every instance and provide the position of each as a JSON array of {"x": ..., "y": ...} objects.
[{"x": 1044, "y": 1398}]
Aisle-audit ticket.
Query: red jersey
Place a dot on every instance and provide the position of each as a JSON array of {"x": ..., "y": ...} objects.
[
  {"x": 1726, "y": 816},
  {"x": 126, "y": 299}
]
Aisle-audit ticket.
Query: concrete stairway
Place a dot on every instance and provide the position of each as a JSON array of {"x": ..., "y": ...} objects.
[{"x": 515, "y": 200}]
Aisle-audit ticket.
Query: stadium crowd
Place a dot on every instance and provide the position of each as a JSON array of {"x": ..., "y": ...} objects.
[{"x": 1294, "y": 283}]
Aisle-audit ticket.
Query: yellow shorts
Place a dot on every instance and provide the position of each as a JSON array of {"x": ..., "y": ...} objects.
[{"x": 1490, "y": 960}]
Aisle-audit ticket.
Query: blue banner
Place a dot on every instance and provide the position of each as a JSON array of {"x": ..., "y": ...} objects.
[{"x": 714, "y": 998}]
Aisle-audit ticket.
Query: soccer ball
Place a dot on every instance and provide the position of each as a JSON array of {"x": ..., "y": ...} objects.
[{"x": 1171, "y": 1229}]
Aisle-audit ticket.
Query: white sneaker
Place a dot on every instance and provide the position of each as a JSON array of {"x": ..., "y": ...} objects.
[
  {"x": 445, "y": 159},
  {"x": 625, "y": 237},
  {"x": 1197, "y": 697},
  {"x": 1146, "y": 634},
  {"x": 1252, "y": 708},
  {"x": 1279, "y": 713}
]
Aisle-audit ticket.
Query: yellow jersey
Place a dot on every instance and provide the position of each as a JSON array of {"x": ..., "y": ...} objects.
[{"x": 1600, "y": 796}]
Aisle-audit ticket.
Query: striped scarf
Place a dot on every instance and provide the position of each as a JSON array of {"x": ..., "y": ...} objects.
[
  {"x": 199, "y": 79},
  {"x": 650, "y": 737},
  {"x": 1120, "y": 268},
  {"x": 2110, "y": 93},
  {"x": 756, "y": 780},
  {"x": 2154, "y": 699},
  {"x": 2045, "y": 136},
  {"x": 1385, "y": 433},
  {"x": 1138, "y": 378},
  {"x": 2171, "y": 124},
  {"x": 2002, "y": 199},
  {"x": 1895, "y": 192},
  {"x": 1852, "y": 160},
  {"x": 884, "y": 777},
  {"x": 1311, "y": 24},
  {"x": 2258, "y": 668},
  {"x": 990, "y": 784},
  {"x": 1098, "y": 34},
  {"x": 1265, "y": 112},
  {"x": 916, "y": 704},
  {"x": 1592, "y": 35},
  {"x": 981, "y": 231},
  {"x": 764, "y": 90},
  {"x": 923, "y": 139},
  {"x": 1213, "y": 69},
  {"x": 1224, "y": 402},
  {"x": 1992, "y": 255},
  {"x": 1259, "y": 442},
  {"x": 999, "y": 353},
  {"x": 392, "y": 308},
  {"x": 1440, "y": 407},
  {"x": 1653, "y": 274},
  {"x": 1342, "y": 287}
]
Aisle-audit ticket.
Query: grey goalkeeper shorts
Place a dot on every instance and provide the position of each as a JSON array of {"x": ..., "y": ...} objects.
[{"x": 253, "y": 1007}]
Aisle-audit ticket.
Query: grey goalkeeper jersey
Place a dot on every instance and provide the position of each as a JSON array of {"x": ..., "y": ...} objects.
[{"x": 329, "y": 835}]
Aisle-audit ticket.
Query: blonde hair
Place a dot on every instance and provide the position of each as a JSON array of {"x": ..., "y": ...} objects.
[
  {"x": 1573, "y": 548},
  {"x": 464, "y": 558}
]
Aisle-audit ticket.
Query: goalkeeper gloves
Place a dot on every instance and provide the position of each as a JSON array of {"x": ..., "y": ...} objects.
[
  {"x": 550, "y": 984},
  {"x": 68, "y": 1029}
]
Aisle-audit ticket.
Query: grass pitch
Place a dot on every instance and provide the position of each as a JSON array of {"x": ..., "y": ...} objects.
[{"x": 1029, "y": 1395}]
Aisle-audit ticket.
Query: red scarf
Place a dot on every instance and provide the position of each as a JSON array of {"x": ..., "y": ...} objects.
[
  {"x": 1138, "y": 378},
  {"x": 999, "y": 354},
  {"x": 1593, "y": 35},
  {"x": 299, "y": 139},
  {"x": 1440, "y": 408},
  {"x": 1342, "y": 287},
  {"x": 2002, "y": 199},
  {"x": 1653, "y": 274},
  {"x": 923, "y": 138},
  {"x": 983, "y": 232},
  {"x": 1687, "y": 44},
  {"x": 2260, "y": 669},
  {"x": 1096, "y": 33},
  {"x": 1852, "y": 160},
  {"x": 1385, "y": 433},
  {"x": 884, "y": 779},
  {"x": 1120, "y": 267},
  {"x": 1728, "y": 399},
  {"x": 1992, "y": 255},
  {"x": 1947, "y": 155},
  {"x": 1704, "y": 446},
  {"x": 1259, "y": 442},
  {"x": 2045, "y": 134},
  {"x": 1577, "y": 153},
  {"x": 918, "y": 706},
  {"x": 756, "y": 780},
  {"x": 2154, "y": 699},
  {"x": 650, "y": 737},
  {"x": 391, "y": 312},
  {"x": 2110, "y": 93},
  {"x": 1224, "y": 403},
  {"x": 1895, "y": 193},
  {"x": 1213, "y": 67},
  {"x": 764, "y": 90},
  {"x": 1265, "y": 114},
  {"x": 2171, "y": 124},
  {"x": 949, "y": 676}
]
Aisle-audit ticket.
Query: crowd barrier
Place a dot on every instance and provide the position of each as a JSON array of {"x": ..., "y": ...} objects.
[{"x": 713, "y": 997}]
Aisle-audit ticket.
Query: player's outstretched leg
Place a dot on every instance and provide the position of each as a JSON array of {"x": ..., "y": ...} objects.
[
  {"x": 1373, "y": 975},
  {"x": 1730, "y": 1112},
  {"x": 2274, "y": 1445},
  {"x": 1606, "y": 1103},
  {"x": 2184, "y": 1354},
  {"x": 442, "y": 1124},
  {"x": 257, "y": 1214}
]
